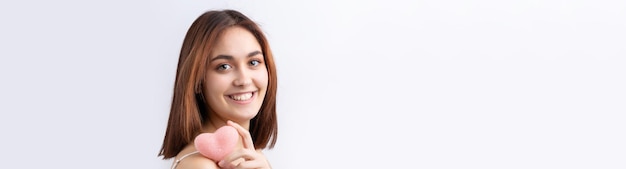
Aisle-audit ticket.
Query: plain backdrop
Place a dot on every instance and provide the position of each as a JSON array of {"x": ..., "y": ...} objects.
[{"x": 424, "y": 84}]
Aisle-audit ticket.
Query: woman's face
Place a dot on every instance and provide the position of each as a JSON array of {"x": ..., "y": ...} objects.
[{"x": 237, "y": 77}]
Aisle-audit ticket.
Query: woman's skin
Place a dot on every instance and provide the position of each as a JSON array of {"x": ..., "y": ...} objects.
[{"x": 236, "y": 83}]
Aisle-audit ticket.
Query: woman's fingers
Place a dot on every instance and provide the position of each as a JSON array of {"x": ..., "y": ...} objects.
[
  {"x": 242, "y": 157},
  {"x": 250, "y": 164},
  {"x": 245, "y": 135},
  {"x": 248, "y": 157}
]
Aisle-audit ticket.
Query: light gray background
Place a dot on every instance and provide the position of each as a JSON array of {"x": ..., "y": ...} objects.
[{"x": 362, "y": 84}]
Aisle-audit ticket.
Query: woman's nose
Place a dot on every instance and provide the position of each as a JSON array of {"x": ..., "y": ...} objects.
[{"x": 243, "y": 78}]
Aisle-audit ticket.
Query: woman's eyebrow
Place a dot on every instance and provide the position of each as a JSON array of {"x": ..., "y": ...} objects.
[
  {"x": 230, "y": 57},
  {"x": 227, "y": 57},
  {"x": 254, "y": 53}
]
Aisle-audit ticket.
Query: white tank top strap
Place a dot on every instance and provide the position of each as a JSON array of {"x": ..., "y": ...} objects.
[{"x": 183, "y": 157}]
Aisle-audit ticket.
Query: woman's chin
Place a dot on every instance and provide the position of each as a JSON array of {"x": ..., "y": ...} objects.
[{"x": 243, "y": 115}]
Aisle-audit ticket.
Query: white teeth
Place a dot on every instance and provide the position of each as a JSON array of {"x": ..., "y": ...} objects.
[{"x": 241, "y": 97}]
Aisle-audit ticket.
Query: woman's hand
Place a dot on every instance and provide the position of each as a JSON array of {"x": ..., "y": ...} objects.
[{"x": 248, "y": 157}]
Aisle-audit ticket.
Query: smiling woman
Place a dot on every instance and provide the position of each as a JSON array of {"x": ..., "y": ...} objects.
[{"x": 226, "y": 76}]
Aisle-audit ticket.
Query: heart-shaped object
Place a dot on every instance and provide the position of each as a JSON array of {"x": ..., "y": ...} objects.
[{"x": 217, "y": 145}]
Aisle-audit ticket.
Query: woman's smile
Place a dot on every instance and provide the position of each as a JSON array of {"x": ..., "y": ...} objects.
[{"x": 242, "y": 98}]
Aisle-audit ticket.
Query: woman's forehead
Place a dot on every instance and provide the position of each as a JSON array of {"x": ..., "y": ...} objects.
[{"x": 236, "y": 42}]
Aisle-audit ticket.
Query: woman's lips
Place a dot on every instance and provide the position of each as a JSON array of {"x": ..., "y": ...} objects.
[{"x": 242, "y": 98}]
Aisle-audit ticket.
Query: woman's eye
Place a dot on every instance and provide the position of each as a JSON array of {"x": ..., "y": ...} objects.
[
  {"x": 223, "y": 67},
  {"x": 255, "y": 62}
]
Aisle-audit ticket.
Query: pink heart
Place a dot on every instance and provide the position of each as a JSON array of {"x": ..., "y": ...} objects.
[{"x": 217, "y": 145}]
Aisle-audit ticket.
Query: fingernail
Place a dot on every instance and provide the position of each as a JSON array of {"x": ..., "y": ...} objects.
[{"x": 221, "y": 163}]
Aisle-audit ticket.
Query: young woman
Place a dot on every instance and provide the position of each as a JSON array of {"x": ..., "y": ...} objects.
[{"x": 226, "y": 76}]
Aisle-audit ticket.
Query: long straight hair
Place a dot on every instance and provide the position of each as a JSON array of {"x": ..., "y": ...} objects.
[{"x": 189, "y": 111}]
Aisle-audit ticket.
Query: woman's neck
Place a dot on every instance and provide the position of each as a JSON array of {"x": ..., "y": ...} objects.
[{"x": 215, "y": 122}]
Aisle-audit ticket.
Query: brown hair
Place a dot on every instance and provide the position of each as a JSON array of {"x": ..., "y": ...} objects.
[{"x": 188, "y": 111}]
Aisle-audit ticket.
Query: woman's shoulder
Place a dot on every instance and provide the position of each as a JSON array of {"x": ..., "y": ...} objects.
[{"x": 193, "y": 160}]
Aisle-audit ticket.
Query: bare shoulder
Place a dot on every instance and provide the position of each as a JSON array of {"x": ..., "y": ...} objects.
[{"x": 196, "y": 161}]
